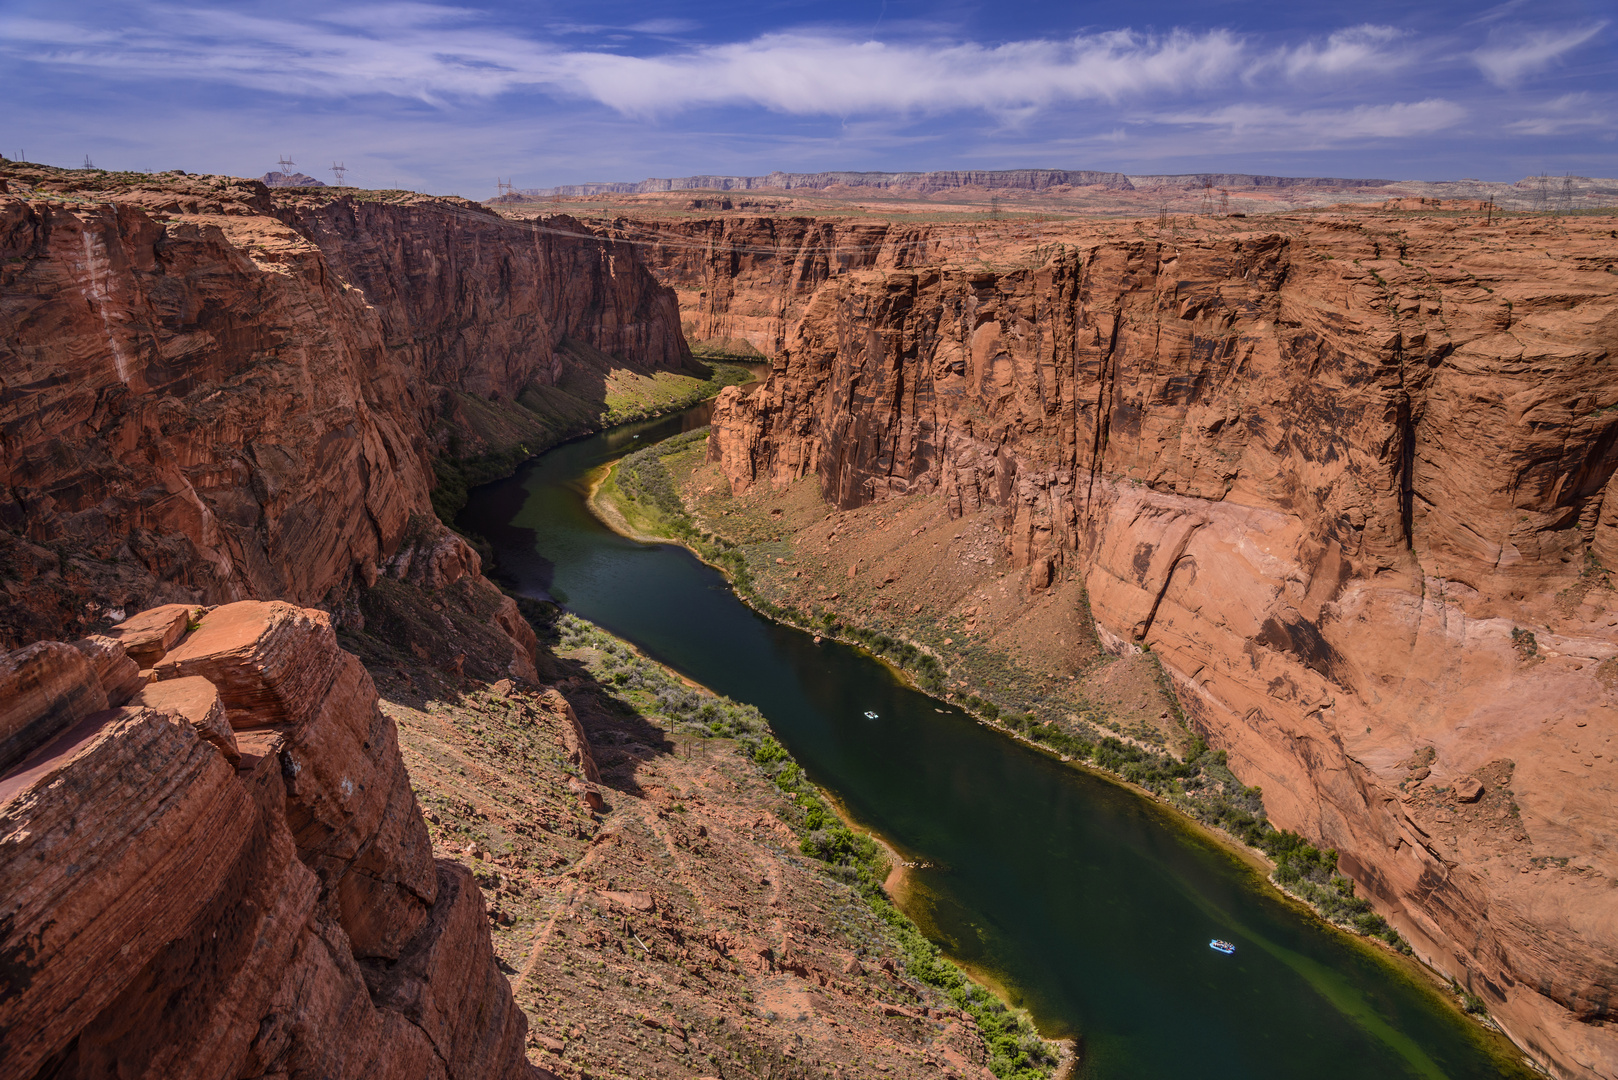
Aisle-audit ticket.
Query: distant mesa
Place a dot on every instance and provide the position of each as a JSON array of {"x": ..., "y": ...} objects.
[
  {"x": 297, "y": 179},
  {"x": 923, "y": 183}
]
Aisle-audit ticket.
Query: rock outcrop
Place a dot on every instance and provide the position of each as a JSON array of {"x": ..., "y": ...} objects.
[
  {"x": 1351, "y": 480},
  {"x": 169, "y": 910},
  {"x": 214, "y": 392}
]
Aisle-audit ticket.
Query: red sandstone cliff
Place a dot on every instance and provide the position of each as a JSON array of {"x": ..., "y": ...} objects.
[
  {"x": 211, "y": 392},
  {"x": 1334, "y": 473},
  {"x": 228, "y": 876}
]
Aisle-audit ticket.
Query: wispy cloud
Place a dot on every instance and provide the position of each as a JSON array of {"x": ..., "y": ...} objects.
[
  {"x": 1569, "y": 113},
  {"x": 1357, "y": 50},
  {"x": 798, "y": 74},
  {"x": 575, "y": 89},
  {"x": 1326, "y": 127},
  {"x": 1514, "y": 56},
  {"x": 434, "y": 53}
]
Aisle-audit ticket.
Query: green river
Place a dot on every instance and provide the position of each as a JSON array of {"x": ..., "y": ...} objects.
[{"x": 1087, "y": 904}]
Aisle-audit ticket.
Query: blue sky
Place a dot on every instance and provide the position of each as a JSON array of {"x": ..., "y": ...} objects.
[{"x": 444, "y": 97}]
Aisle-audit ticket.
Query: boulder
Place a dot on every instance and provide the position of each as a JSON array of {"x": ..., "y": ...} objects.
[
  {"x": 272, "y": 662},
  {"x": 354, "y": 815},
  {"x": 146, "y": 636},
  {"x": 634, "y": 901},
  {"x": 164, "y": 916},
  {"x": 1468, "y": 789},
  {"x": 587, "y": 793},
  {"x": 195, "y": 700}
]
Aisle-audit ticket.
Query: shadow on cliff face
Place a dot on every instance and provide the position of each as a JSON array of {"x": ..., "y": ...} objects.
[
  {"x": 621, "y": 737},
  {"x": 479, "y": 440},
  {"x": 440, "y": 644}
]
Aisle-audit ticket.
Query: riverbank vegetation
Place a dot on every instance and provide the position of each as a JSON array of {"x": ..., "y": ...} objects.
[
  {"x": 1016, "y": 1051},
  {"x": 643, "y": 490}
]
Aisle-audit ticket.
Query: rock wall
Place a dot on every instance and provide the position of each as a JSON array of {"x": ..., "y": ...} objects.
[
  {"x": 211, "y": 392},
  {"x": 1352, "y": 480},
  {"x": 747, "y": 279},
  {"x": 228, "y": 875}
]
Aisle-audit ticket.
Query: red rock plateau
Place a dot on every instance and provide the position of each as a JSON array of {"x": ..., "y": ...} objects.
[
  {"x": 211, "y": 392},
  {"x": 1350, "y": 476},
  {"x": 223, "y": 871}
]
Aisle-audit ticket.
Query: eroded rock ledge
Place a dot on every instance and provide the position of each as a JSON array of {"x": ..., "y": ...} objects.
[{"x": 212, "y": 864}]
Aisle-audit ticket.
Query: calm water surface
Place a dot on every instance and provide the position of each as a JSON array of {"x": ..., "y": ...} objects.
[{"x": 1089, "y": 904}]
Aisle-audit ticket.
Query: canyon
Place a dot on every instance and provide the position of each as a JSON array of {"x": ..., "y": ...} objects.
[
  {"x": 1348, "y": 477},
  {"x": 213, "y": 393},
  {"x": 225, "y": 415}
]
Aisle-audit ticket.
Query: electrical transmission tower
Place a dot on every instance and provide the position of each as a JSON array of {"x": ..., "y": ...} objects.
[
  {"x": 1542, "y": 192},
  {"x": 88, "y": 164},
  {"x": 503, "y": 186},
  {"x": 1564, "y": 201},
  {"x": 1224, "y": 201},
  {"x": 1207, "y": 197},
  {"x": 286, "y": 164},
  {"x": 337, "y": 170}
]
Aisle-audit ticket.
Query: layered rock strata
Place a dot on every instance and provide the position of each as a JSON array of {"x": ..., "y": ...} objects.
[
  {"x": 169, "y": 911},
  {"x": 214, "y": 392},
  {"x": 927, "y": 183},
  {"x": 1351, "y": 480}
]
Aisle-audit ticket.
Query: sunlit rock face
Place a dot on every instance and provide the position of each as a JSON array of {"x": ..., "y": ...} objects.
[
  {"x": 1351, "y": 479},
  {"x": 214, "y": 392},
  {"x": 227, "y": 873}
]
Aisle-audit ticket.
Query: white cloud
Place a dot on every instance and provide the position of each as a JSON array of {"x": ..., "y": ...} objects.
[
  {"x": 439, "y": 53},
  {"x": 1276, "y": 125},
  {"x": 1357, "y": 50},
  {"x": 1527, "y": 52},
  {"x": 1568, "y": 113},
  {"x": 794, "y": 73}
]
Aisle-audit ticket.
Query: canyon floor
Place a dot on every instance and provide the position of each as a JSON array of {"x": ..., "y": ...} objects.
[
  {"x": 903, "y": 569},
  {"x": 646, "y": 889}
]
